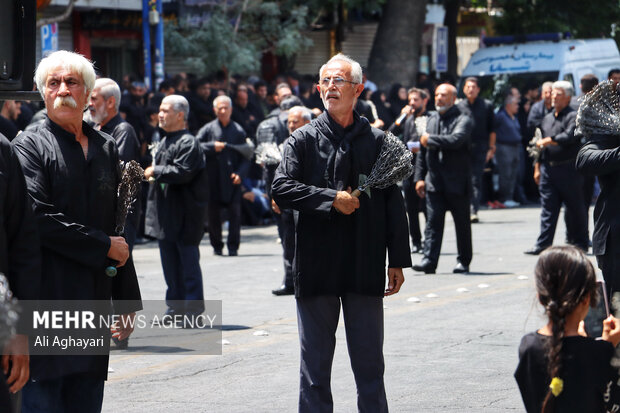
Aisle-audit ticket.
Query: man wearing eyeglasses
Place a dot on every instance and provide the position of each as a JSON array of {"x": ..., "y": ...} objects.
[{"x": 342, "y": 240}]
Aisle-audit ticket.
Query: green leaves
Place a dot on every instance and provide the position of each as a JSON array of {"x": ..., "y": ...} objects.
[{"x": 263, "y": 26}]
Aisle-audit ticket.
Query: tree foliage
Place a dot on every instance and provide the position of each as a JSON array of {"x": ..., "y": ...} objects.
[
  {"x": 594, "y": 18},
  {"x": 236, "y": 37}
]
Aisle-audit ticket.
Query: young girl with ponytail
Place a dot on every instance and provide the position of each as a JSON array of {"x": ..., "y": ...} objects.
[{"x": 560, "y": 369}]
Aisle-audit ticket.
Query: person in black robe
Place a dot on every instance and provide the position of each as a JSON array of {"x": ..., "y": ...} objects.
[
  {"x": 226, "y": 168},
  {"x": 176, "y": 208},
  {"x": 340, "y": 252},
  {"x": 72, "y": 174}
]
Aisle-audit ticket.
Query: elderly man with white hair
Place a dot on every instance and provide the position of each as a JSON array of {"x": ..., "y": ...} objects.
[
  {"x": 556, "y": 175},
  {"x": 105, "y": 101},
  {"x": 72, "y": 172},
  {"x": 343, "y": 242},
  {"x": 176, "y": 207}
]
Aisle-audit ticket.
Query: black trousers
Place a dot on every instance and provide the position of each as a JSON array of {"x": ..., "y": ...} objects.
[
  {"x": 317, "y": 319},
  {"x": 415, "y": 205},
  {"x": 214, "y": 212},
  {"x": 437, "y": 204},
  {"x": 286, "y": 231},
  {"x": 562, "y": 184},
  {"x": 478, "y": 160}
]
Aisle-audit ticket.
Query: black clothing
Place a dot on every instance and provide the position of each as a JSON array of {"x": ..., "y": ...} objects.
[
  {"x": 586, "y": 372},
  {"x": 274, "y": 129},
  {"x": 134, "y": 108},
  {"x": 222, "y": 192},
  {"x": 337, "y": 253},
  {"x": 559, "y": 181},
  {"x": 561, "y": 129},
  {"x": 364, "y": 110},
  {"x": 177, "y": 199},
  {"x": 200, "y": 111},
  {"x": 318, "y": 318},
  {"x": 125, "y": 137},
  {"x": 8, "y": 128},
  {"x": 444, "y": 166},
  {"x": 483, "y": 116},
  {"x": 20, "y": 258},
  {"x": 220, "y": 165},
  {"x": 247, "y": 118},
  {"x": 600, "y": 157},
  {"x": 537, "y": 113},
  {"x": 74, "y": 201}
]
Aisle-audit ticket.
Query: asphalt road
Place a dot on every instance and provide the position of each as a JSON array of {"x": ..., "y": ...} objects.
[{"x": 450, "y": 340}]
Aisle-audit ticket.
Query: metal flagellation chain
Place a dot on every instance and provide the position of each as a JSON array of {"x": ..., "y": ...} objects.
[
  {"x": 8, "y": 311},
  {"x": 532, "y": 148},
  {"x": 127, "y": 193},
  {"x": 599, "y": 112},
  {"x": 393, "y": 164},
  {"x": 268, "y": 153}
]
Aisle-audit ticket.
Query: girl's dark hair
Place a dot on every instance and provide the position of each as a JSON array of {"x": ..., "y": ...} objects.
[{"x": 564, "y": 278}]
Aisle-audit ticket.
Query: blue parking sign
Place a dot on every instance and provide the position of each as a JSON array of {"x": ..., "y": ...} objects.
[{"x": 49, "y": 39}]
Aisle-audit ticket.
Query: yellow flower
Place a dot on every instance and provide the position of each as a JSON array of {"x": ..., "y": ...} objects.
[{"x": 556, "y": 386}]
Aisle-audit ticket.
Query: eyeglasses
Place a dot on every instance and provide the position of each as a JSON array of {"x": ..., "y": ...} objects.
[{"x": 337, "y": 81}]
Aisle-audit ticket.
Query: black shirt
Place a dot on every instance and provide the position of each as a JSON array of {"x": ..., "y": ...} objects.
[
  {"x": 8, "y": 128},
  {"x": 562, "y": 129},
  {"x": 220, "y": 165},
  {"x": 482, "y": 113},
  {"x": 586, "y": 372},
  {"x": 125, "y": 137},
  {"x": 176, "y": 200}
]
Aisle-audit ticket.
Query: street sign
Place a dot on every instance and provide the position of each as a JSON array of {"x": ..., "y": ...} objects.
[
  {"x": 441, "y": 49},
  {"x": 49, "y": 39}
]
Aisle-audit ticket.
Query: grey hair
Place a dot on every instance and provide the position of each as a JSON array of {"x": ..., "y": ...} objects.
[
  {"x": 547, "y": 84},
  {"x": 220, "y": 98},
  {"x": 564, "y": 85},
  {"x": 109, "y": 88},
  {"x": 510, "y": 99},
  {"x": 356, "y": 69},
  {"x": 306, "y": 114},
  {"x": 178, "y": 103},
  {"x": 67, "y": 60}
]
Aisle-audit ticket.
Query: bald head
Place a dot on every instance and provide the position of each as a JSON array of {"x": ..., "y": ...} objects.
[{"x": 445, "y": 95}]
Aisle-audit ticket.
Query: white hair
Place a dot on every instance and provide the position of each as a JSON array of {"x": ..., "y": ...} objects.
[
  {"x": 356, "y": 69},
  {"x": 222, "y": 98},
  {"x": 178, "y": 104},
  {"x": 565, "y": 86},
  {"x": 305, "y": 113},
  {"x": 74, "y": 62},
  {"x": 109, "y": 88}
]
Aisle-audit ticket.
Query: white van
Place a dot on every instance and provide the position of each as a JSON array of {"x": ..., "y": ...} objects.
[{"x": 532, "y": 63}]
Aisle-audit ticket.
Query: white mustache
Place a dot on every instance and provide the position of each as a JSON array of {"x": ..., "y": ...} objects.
[{"x": 64, "y": 101}]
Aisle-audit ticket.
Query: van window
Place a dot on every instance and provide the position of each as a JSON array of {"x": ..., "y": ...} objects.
[
  {"x": 495, "y": 87},
  {"x": 569, "y": 78}
]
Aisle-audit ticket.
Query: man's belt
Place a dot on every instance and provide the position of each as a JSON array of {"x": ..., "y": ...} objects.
[{"x": 558, "y": 163}]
